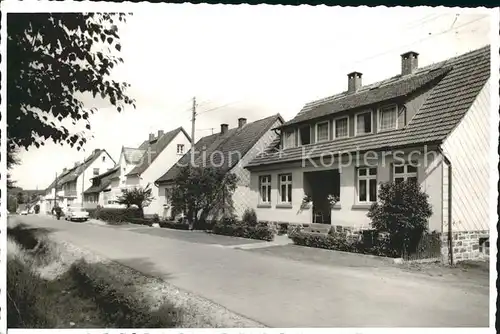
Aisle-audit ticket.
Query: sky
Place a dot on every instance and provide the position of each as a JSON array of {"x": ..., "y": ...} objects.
[{"x": 253, "y": 62}]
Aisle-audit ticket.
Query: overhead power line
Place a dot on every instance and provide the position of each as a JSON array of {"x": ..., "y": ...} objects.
[{"x": 417, "y": 41}]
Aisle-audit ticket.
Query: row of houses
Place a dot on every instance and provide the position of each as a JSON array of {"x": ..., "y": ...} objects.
[{"x": 428, "y": 124}]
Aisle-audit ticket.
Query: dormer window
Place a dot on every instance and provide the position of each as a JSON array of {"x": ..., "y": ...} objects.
[
  {"x": 288, "y": 138},
  {"x": 388, "y": 117},
  {"x": 322, "y": 131},
  {"x": 342, "y": 127},
  {"x": 363, "y": 122}
]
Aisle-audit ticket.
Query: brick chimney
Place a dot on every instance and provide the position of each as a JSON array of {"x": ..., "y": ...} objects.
[
  {"x": 160, "y": 133},
  {"x": 223, "y": 128},
  {"x": 151, "y": 136},
  {"x": 96, "y": 151},
  {"x": 409, "y": 62},
  {"x": 76, "y": 164},
  {"x": 354, "y": 82},
  {"x": 64, "y": 169},
  {"x": 241, "y": 121}
]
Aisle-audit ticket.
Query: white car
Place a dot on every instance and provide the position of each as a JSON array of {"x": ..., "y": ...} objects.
[
  {"x": 76, "y": 214},
  {"x": 24, "y": 212}
]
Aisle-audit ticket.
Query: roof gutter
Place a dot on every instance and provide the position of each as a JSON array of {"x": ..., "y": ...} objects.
[{"x": 450, "y": 220}]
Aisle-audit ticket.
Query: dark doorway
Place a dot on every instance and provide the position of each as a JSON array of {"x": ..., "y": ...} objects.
[{"x": 319, "y": 185}]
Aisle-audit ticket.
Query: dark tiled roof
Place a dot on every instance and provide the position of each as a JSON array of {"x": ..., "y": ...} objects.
[
  {"x": 440, "y": 113},
  {"x": 381, "y": 91},
  {"x": 154, "y": 148},
  {"x": 105, "y": 180},
  {"x": 73, "y": 173},
  {"x": 234, "y": 140}
]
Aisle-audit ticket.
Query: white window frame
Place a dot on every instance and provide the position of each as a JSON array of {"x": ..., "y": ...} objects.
[
  {"x": 366, "y": 177},
  {"x": 299, "y": 136},
  {"x": 283, "y": 139},
  {"x": 356, "y": 122},
  {"x": 181, "y": 146},
  {"x": 405, "y": 175},
  {"x": 265, "y": 182},
  {"x": 335, "y": 127},
  {"x": 317, "y": 132},
  {"x": 379, "y": 119},
  {"x": 287, "y": 183}
]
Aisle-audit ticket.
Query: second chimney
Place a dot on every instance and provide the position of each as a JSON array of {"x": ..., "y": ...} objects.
[
  {"x": 160, "y": 133},
  {"x": 353, "y": 82},
  {"x": 409, "y": 62},
  {"x": 223, "y": 128},
  {"x": 151, "y": 136},
  {"x": 241, "y": 121}
]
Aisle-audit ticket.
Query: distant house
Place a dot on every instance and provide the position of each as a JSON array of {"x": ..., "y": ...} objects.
[
  {"x": 99, "y": 191},
  {"x": 141, "y": 166},
  {"x": 229, "y": 150},
  {"x": 72, "y": 182},
  {"x": 436, "y": 117}
]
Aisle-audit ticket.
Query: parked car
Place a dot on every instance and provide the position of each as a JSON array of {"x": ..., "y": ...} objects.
[
  {"x": 76, "y": 214},
  {"x": 24, "y": 212}
]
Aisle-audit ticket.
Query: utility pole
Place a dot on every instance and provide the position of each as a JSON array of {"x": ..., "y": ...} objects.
[{"x": 193, "y": 130}]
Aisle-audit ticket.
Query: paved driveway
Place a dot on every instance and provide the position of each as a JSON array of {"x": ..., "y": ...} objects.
[{"x": 280, "y": 292}]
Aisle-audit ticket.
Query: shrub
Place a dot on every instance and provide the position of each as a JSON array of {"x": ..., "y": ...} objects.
[
  {"x": 119, "y": 301},
  {"x": 403, "y": 211},
  {"x": 231, "y": 227},
  {"x": 37, "y": 209},
  {"x": 115, "y": 216},
  {"x": 293, "y": 228},
  {"x": 250, "y": 217}
]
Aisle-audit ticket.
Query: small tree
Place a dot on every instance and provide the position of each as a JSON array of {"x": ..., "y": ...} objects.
[
  {"x": 250, "y": 217},
  {"x": 37, "y": 208},
  {"x": 141, "y": 197},
  {"x": 198, "y": 192},
  {"x": 402, "y": 211}
]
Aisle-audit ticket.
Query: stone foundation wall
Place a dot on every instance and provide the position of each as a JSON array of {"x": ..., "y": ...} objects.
[{"x": 466, "y": 245}]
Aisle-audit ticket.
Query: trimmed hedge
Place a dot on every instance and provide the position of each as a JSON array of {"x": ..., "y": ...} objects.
[
  {"x": 114, "y": 216},
  {"x": 118, "y": 300},
  {"x": 141, "y": 221},
  {"x": 234, "y": 228},
  {"x": 342, "y": 242},
  {"x": 174, "y": 225}
]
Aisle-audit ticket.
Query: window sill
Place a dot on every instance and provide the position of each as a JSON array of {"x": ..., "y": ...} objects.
[
  {"x": 365, "y": 134},
  {"x": 361, "y": 206},
  {"x": 264, "y": 205},
  {"x": 284, "y": 206}
]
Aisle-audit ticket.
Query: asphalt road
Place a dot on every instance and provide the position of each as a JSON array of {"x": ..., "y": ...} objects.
[{"x": 280, "y": 292}]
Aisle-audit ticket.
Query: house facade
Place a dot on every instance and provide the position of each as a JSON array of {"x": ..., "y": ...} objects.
[
  {"x": 69, "y": 186},
  {"x": 99, "y": 193},
  {"x": 429, "y": 125},
  {"x": 143, "y": 166},
  {"x": 230, "y": 150}
]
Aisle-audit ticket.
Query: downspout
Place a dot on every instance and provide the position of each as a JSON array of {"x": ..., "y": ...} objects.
[{"x": 450, "y": 220}]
